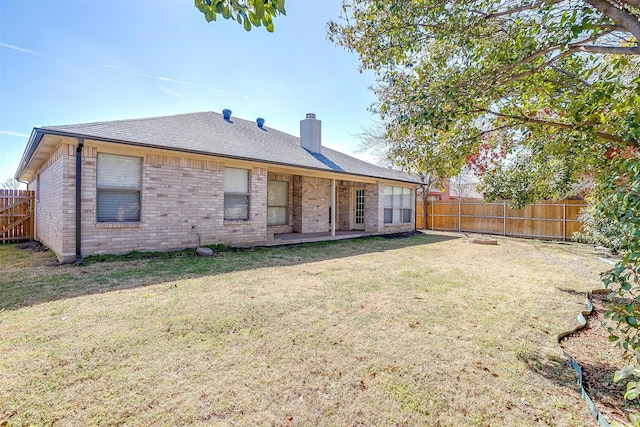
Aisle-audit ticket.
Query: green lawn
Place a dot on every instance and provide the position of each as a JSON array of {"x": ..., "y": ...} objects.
[{"x": 426, "y": 330}]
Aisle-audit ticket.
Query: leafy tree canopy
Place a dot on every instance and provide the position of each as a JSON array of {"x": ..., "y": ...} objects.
[
  {"x": 248, "y": 13},
  {"x": 551, "y": 85}
]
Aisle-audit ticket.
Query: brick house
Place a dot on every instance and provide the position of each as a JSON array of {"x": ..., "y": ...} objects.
[{"x": 171, "y": 182}]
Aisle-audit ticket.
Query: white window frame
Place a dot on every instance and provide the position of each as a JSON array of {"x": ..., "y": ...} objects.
[
  {"x": 237, "y": 191},
  {"x": 399, "y": 206},
  {"x": 116, "y": 185}
]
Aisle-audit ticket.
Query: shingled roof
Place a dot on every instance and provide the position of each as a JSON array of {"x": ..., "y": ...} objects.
[{"x": 209, "y": 133}]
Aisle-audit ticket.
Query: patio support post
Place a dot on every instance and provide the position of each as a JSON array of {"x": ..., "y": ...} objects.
[{"x": 333, "y": 207}]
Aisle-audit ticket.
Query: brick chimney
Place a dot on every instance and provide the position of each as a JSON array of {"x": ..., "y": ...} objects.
[{"x": 310, "y": 133}]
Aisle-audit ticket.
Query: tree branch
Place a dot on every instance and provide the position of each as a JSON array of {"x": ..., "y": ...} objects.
[
  {"x": 620, "y": 16},
  {"x": 520, "y": 9},
  {"x": 610, "y": 50},
  {"x": 573, "y": 47},
  {"x": 601, "y": 135},
  {"x": 634, "y": 3}
]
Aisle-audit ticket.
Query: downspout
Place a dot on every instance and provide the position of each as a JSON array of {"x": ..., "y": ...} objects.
[
  {"x": 79, "y": 201},
  {"x": 333, "y": 207}
]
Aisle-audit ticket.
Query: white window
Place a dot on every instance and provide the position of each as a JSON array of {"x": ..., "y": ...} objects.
[
  {"x": 236, "y": 194},
  {"x": 118, "y": 187},
  {"x": 397, "y": 205},
  {"x": 277, "y": 202}
]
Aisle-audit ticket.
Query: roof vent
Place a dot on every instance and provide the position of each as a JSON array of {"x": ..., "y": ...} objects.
[
  {"x": 311, "y": 115},
  {"x": 260, "y": 122},
  {"x": 226, "y": 113}
]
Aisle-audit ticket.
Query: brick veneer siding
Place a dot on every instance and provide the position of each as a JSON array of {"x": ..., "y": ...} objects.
[
  {"x": 373, "y": 199},
  {"x": 182, "y": 205},
  {"x": 311, "y": 204},
  {"x": 52, "y": 227},
  {"x": 343, "y": 211}
]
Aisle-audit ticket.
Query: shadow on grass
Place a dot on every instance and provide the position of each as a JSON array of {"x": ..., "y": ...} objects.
[
  {"x": 553, "y": 368},
  {"x": 30, "y": 278},
  {"x": 597, "y": 380}
]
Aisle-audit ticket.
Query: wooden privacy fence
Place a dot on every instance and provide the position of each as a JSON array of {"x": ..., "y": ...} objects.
[
  {"x": 16, "y": 215},
  {"x": 543, "y": 220}
]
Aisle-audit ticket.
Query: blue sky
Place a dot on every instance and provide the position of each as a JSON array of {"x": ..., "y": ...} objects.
[{"x": 64, "y": 62}]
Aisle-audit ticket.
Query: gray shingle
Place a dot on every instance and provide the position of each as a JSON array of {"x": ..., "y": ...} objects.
[{"x": 209, "y": 133}]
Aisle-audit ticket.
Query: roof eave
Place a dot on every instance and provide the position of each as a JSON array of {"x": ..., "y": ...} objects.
[
  {"x": 38, "y": 133},
  {"x": 32, "y": 145}
]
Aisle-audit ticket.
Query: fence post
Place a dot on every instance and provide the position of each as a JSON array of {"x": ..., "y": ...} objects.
[
  {"x": 504, "y": 218},
  {"x": 564, "y": 221},
  {"x": 432, "y": 208},
  {"x": 459, "y": 214}
]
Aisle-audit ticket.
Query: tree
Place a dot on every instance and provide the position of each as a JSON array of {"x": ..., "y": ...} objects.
[
  {"x": 10, "y": 184},
  {"x": 249, "y": 13},
  {"x": 555, "y": 84}
]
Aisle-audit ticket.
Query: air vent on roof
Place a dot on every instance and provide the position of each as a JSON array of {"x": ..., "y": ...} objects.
[
  {"x": 226, "y": 113},
  {"x": 260, "y": 122}
]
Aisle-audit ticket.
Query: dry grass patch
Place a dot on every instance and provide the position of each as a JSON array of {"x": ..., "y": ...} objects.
[{"x": 418, "y": 331}]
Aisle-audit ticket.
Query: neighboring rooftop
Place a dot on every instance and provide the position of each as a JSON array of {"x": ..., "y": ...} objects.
[{"x": 210, "y": 133}]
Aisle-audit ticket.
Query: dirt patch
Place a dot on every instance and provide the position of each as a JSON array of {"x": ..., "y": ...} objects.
[
  {"x": 599, "y": 359},
  {"x": 33, "y": 246}
]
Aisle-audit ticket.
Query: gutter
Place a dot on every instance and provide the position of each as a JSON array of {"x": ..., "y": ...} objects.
[{"x": 79, "y": 201}]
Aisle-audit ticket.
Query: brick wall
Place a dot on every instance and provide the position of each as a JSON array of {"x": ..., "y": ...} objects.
[
  {"x": 315, "y": 202},
  {"x": 182, "y": 204},
  {"x": 51, "y": 203},
  {"x": 374, "y": 209}
]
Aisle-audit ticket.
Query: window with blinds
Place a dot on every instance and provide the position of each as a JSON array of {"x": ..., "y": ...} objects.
[
  {"x": 119, "y": 179},
  {"x": 397, "y": 205},
  {"x": 277, "y": 202},
  {"x": 236, "y": 194}
]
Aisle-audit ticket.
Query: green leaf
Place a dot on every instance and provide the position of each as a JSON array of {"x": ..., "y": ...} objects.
[
  {"x": 226, "y": 12},
  {"x": 254, "y": 20},
  {"x": 259, "y": 8},
  {"x": 247, "y": 24}
]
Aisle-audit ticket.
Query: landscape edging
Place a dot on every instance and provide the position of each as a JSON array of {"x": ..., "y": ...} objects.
[{"x": 582, "y": 320}]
